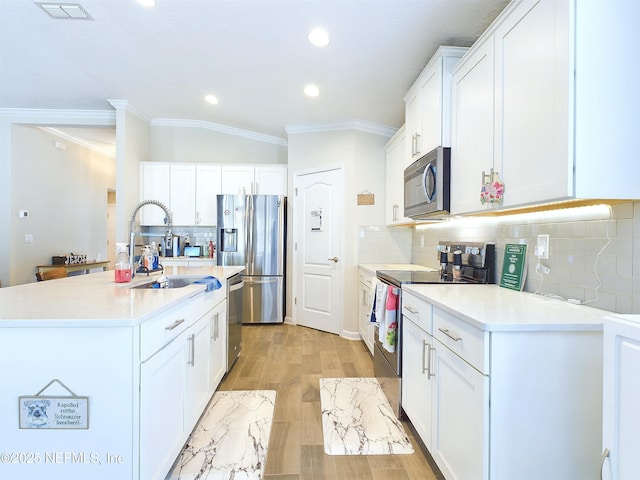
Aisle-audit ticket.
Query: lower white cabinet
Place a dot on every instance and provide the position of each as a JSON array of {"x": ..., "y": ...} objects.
[
  {"x": 366, "y": 287},
  {"x": 198, "y": 392},
  {"x": 503, "y": 403},
  {"x": 621, "y": 416},
  {"x": 218, "y": 340}
]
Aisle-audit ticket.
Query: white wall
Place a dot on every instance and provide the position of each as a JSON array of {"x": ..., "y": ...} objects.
[
  {"x": 198, "y": 144},
  {"x": 362, "y": 156},
  {"x": 65, "y": 192}
]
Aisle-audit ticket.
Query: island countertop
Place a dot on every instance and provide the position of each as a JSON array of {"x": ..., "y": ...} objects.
[{"x": 96, "y": 300}]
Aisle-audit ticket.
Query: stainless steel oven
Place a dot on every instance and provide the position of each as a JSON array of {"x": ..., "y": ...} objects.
[{"x": 478, "y": 267}]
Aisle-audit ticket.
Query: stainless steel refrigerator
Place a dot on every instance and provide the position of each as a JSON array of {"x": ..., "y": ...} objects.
[{"x": 251, "y": 231}]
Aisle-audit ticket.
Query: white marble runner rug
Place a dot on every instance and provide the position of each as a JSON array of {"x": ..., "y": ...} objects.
[
  {"x": 231, "y": 439},
  {"x": 358, "y": 420}
]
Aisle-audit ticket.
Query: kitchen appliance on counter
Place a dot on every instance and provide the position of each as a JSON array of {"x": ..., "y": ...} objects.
[
  {"x": 426, "y": 185},
  {"x": 251, "y": 233},
  {"x": 477, "y": 266},
  {"x": 235, "y": 286},
  {"x": 171, "y": 248}
]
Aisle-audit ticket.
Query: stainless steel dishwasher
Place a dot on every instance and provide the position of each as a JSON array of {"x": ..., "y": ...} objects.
[{"x": 235, "y": 285}]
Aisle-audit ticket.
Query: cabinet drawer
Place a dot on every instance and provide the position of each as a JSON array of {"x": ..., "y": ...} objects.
[
  {"x": 205, "y": 301},
  {"x": 465, "y": 340},
  {"x": 160, "y": 330},
  {"x": 419, "y": 311},
  {"x": 366, "y": 278}
]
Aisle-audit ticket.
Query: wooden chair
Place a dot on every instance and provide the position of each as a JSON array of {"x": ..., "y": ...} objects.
[{"x": 59, "y": 272}]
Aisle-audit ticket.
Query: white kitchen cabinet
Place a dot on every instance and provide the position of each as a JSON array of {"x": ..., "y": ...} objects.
[
  {"x": 472, "y": 142},
  {"x": 162, "y": 403},
  {"x": 621, "y": 390},
  {"x": 218, "y": 340},
  {"x": 182, "y": 194},
  {"x": 208, "y": 186},
  {"x": 155, "y": 184},
  {"x": 556, "y": 111},
  {"x": 501, "y": 400},
  {"x": 247, "y": 179},
  {"x": 428, "y": 104},
  {"x": 366, "y": 288},
  {"x": 396, "y": 162},
  {"x": 198, "y": 371},
  {"x": 417, "y": 366}
]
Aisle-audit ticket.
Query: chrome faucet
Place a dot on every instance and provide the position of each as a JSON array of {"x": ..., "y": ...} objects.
[{"x": 167, "y": 220}]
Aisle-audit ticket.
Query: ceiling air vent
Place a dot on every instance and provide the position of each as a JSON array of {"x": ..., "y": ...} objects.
[{"x": 65, "y": 10}]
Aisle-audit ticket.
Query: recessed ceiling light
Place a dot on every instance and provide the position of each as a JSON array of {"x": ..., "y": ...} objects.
[
  {"x": 212, "y": 99},
  {"x": 319, "y": 37},
  {"x": 311, "y": 91},
  {"x": 147, "y": 3}
]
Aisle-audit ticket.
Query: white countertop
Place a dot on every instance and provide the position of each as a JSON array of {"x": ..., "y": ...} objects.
[
  {"x": 492, "y": 308},
  {"x": 96, "y": 300},
  {"x": 372, "y": 267}
]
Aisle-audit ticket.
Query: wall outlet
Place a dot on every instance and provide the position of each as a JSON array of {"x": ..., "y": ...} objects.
[
  {"x": 23, "y": 213},
  {"x": 542, "y": 248},
  {"x": 28, "y": 238}
]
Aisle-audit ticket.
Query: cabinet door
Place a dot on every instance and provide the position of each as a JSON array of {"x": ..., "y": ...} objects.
[
  {"x": 183, "y": 198},
  {"x": 472, "y": 128},
  {"x": 431, "y": 104},
  {"x": 461, "y": 411},
  {"x": 364, "y": 315},
  {"x": 162, "y": 402},
  {"x": 198, "y": 363},
  {"x": 413, "y": 119},
  {"x": 270, "y": 180},
  {"x": 237, "y": 179},
  {"x": 397, "y": 161},
  {"x": 621, "y": 416},
  {"x": 208, "y": 185},
  {"x": 154, "y": 185},
  {"x": 218, "y": 357},
  {"x": 532, "y": 49},
  {"x": 417, "y": 384}
]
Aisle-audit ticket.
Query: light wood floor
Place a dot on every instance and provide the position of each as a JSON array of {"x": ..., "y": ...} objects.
[{"x": 291, "y": 360}]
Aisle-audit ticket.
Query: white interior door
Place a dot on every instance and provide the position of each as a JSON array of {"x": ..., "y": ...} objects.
[{"x": 318, "y": 271}]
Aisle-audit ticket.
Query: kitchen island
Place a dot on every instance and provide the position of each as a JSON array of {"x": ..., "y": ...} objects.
[
  {"x": 502, "y": 384},
  {"x": 105, "y": 381}
]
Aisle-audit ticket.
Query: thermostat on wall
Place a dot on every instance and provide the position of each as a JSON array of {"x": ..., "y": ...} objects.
[{"x": 23, "y": 214}]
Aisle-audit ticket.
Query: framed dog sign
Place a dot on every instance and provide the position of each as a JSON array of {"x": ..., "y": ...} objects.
[{"x": 54, "y": 412}]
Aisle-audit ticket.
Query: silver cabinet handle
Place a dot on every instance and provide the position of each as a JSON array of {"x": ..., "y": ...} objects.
[
  {"x": 417, "y": 149},
  {"x": 192, "y": 347},
  {"x": 334, "y": 259},
  {"x": 174, "y": 324},
  {"x": 411, "y": 310},
  {"x": 425, "y": 346},
  {"x": 216, "y": 328},
  {"x": 605, "y": 455},
  {"x": 431, "y": 349},
  {"x": 452, "y": 336}
]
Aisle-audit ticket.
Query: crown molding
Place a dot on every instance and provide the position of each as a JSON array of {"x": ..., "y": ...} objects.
[
  {"x": 168, "y": 122},
  {"x": 109, "y": 152},
  {"x": 127, "y": 107},
  {"x": 359, "y": 125},
  {"x": 59, "y": 117}
]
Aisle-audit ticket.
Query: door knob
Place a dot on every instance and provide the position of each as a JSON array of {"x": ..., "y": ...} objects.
[{"x": 334, "y": 259}]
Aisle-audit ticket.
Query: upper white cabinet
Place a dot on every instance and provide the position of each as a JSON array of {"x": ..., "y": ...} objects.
[
  {"x": 264, "y": 180},
  {"x": 428, "y": 104},
  {"x": 190, "y": 190},
  {"x": 397, "y": 161},
  {"x": 208, "y": 186},
  {"x": 154, "y": 185},
  {"x": 536, "y": 100},
  {"x": 621, "y": 417}
]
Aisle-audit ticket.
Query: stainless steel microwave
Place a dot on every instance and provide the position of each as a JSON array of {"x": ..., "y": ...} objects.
[{"x": 426, "y": 185}]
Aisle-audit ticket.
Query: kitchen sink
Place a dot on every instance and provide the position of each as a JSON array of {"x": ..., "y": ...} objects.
[{"x": 170, "y": 282}]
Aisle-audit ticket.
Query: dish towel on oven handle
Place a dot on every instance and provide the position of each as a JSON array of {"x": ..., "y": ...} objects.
[
  {"x": 379, "y": 300},
  {"x": 389, "y": 326}
]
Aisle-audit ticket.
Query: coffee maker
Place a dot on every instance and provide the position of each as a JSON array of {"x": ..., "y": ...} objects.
[{"x": 171, "y": 248}]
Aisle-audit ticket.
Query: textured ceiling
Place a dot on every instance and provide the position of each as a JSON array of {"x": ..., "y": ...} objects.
[{"x": 252, "y": 54}]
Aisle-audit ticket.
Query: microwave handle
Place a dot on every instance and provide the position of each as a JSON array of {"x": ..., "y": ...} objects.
[{"x": 429, "y": 170}]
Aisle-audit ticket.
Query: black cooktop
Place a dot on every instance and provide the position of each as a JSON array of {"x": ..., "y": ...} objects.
[{"x": 400, "y": 277}]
